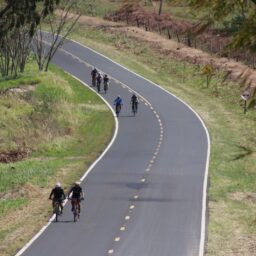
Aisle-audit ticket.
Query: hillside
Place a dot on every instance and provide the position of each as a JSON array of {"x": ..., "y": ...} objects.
[{"x": 51, "y": 131}]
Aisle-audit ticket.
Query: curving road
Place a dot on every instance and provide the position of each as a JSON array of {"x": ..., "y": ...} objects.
[{"x": 146, "y": 196}]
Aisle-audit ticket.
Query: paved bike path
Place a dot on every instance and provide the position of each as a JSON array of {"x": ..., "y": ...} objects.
[{"x": 144, "y": 198}]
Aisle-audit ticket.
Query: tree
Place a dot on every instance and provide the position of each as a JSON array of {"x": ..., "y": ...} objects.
[
  {"x": 18, "y": 13},
  {"x": 19, "y": 20},
  {"x": 20, "y": 25},
  {"x": 45, "y": 45},
  {"x": 239, "y": 14},
  {"x": 160, "y": 7}
]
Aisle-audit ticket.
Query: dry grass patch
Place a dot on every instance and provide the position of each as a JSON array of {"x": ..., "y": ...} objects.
[
  {"x": 245, "y": 197},
  {"x": 228, "y": 235},
  {"x": 22, "y": 223}
]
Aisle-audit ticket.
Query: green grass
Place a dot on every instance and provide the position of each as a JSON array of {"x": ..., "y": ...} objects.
[
  {"x": 233, "y": 149},
  {"x": 11, "y": 205},
  {"x": 59, "y": 122},
  {"x": 99, "y": 8}
]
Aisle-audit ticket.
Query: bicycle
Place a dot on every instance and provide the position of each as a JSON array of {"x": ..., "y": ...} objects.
[
  {"x": 57, "y": 209},
  {"x": 134, "y": 108},
  {"x": 94, "y": 81},
  {"x": 98, "y": 85},
  {"x": 118, "y": 109},
  {"x": 76, "y": 208},
  {"x": 106, "y": 84}
]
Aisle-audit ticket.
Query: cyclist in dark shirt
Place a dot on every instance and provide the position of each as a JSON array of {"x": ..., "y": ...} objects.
[
  {"x": 76, "y": 194},
  {"x": 57, "y": 195},
  {"x": 94, "y": 75},
  {"x": 134, "y": 102}
]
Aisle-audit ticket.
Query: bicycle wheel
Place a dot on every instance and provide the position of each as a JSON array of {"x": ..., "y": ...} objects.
[
  {"x": 75, "y": 212},
  {"x": 118, "y": 109},
  {"x": 133, "y": 109},
  {"x": 93, "y": 82},
  {"x": 105, "y": 87},
  {"x": 56, "y": 211},
  {"x": 98, "y": 86}
]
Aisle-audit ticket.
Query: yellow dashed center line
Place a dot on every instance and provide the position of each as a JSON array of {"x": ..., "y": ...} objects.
[
  {"x": 117, "y": 239},
  {"x": 127, "y": 217}
]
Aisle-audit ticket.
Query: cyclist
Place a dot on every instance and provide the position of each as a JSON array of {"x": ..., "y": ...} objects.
[
  {"x": 94, "y": 75},
  {"x": 106, "y": 82},
  {"x": 99, "y": 79},
  {"x": 134, "y": 102},
  {"x": 77, "y": 194},
  {"x": 57, "y": 195},
  {"x": 118, "y": 102}
]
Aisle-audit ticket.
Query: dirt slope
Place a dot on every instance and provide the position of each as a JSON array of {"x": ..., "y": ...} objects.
[{"x": 177, "y": 50}]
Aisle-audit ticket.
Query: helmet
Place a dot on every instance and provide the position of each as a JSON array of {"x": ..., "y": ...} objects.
[
  {"x": 118, "y": 96},
  {"x": 105, "y": 75},
  {"x": 58, "y": 185},
  {"x": 78, "y": 183}
]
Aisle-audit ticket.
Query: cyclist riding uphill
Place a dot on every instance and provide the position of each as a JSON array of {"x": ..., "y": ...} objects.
[
  {"x": 134, "y": 101},
  {"x": 94, "y": 75},
  {"x": 118, "y": 102},
  {"x": 57, "y": 195},
  {"x": 76, "y": 195}
]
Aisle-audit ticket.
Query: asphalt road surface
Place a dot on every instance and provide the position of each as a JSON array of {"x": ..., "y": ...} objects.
[{"x": 145, "y": 196}]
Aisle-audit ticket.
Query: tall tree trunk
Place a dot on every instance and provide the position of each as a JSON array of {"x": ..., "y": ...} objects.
[{"x": 160, "y": 7}]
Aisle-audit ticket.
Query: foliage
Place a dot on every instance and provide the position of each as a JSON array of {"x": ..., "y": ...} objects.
[
  {"x": 61, "y": 24},
  {"x": 240, "y": 14},
  {"x": 20, "y": 22},
  {"x": 19, "y": 13}
]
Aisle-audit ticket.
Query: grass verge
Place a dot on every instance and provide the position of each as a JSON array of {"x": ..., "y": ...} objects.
[
  {"x": 58, "y": 123},
  {"x": 232, "y": 191}
]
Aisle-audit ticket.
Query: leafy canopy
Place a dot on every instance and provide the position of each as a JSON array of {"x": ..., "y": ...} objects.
[
  {"x": 239, "y": 14},
  {"x": 18, "y": 13}
]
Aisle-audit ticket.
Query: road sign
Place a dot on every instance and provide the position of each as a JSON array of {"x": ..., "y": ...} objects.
[{"x": 246, "y": 95}]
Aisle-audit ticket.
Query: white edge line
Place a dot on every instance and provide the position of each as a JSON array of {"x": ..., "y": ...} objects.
[
  {"x": 204, "y": 199},
  {"x": 26, "y": 246}
]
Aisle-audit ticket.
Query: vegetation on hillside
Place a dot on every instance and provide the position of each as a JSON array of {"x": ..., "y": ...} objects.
[
  {"x": 20, "y": 31},
  {"x": 51, "y": 129},
  {"x": 215, "y": 26}
]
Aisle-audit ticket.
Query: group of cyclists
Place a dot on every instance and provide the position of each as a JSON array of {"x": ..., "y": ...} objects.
[
  {"x": 97, "y": 78},
  {"x": 75, "y": 194},
  {"x": 118, "y": 102}
]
